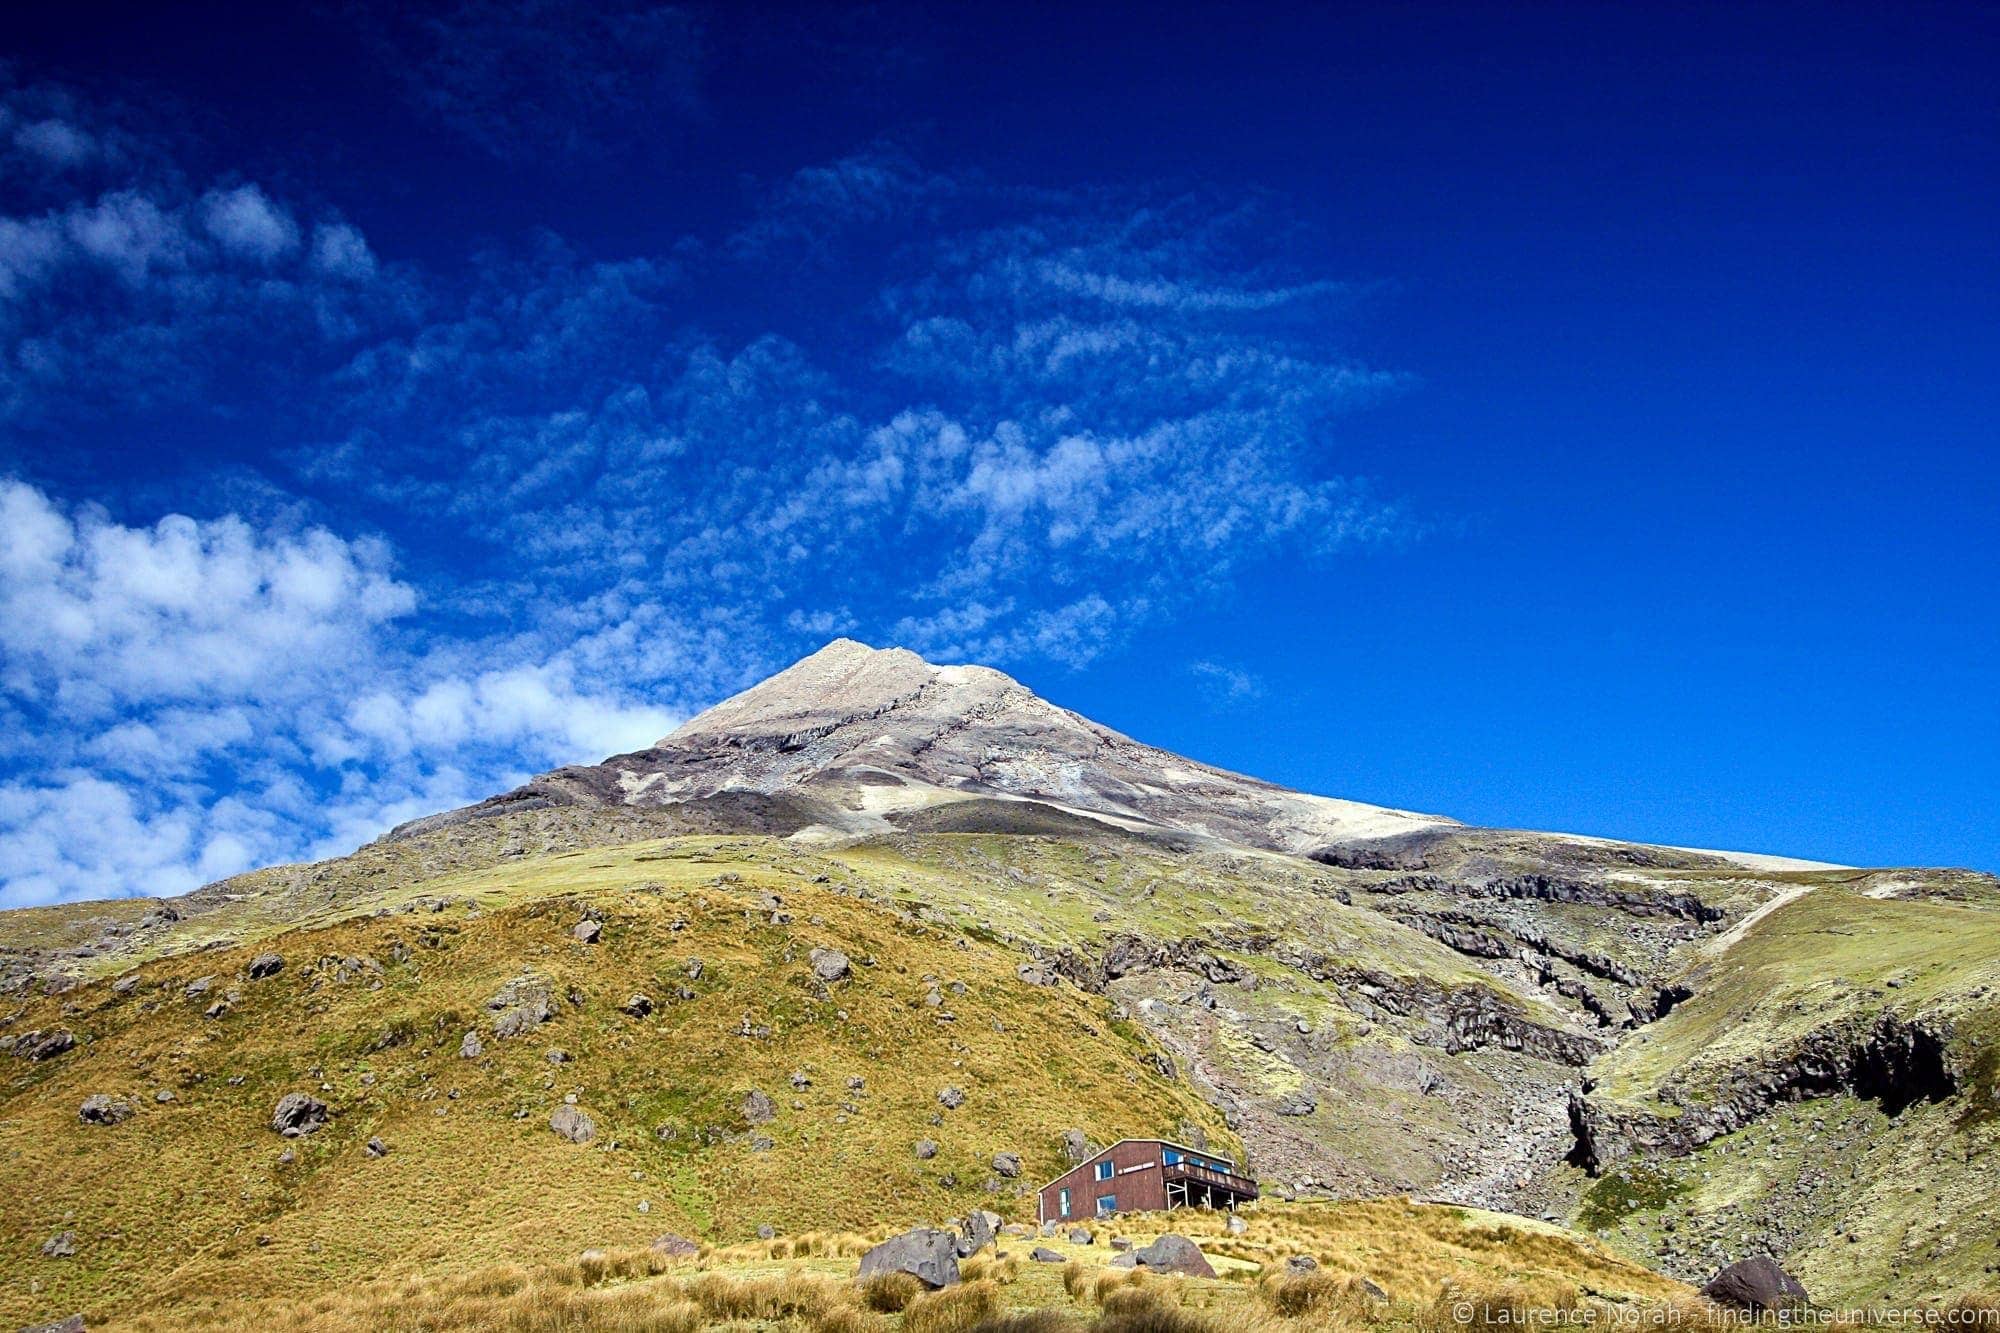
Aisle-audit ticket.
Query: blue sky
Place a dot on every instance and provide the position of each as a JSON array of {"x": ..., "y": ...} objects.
[{"x": 1553, "y": 416}]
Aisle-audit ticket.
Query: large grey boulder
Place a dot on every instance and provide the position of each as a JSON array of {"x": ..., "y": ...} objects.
[
  {"x": 951, "y": 1098},
  {"x": 758, "y": 1108},
  {"x": 1296, "y": 1103},
  {"x": 926, "y": 1149},
  {"x": 73, "y": 1324},
  {"x": 1042, "y": 1254},
  {"x": 573, "y": 1124},
  {"x": 927, "y": 1254},
  {"x": 266, "y": 965},
  {"x": 98, "y": 1109},
  {"x": 981, "y": 1226},
  {"x": 1076, "y": 1146},
  {"x": 1007, "y": 1164},
  {"x": 298, "y": 1114},
  {"x": 677, "y": 1247},
  {"x": 1173, "y": 1254},
  {"x": 1757, "y": 1283},
  {"x": 828, "y": 964}
]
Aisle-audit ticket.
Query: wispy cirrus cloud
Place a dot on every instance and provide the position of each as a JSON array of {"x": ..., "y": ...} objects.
[{"x": 121, "y": 280}]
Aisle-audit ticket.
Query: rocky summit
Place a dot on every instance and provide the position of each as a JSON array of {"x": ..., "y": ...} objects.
[{"x": 880, "y": 941}]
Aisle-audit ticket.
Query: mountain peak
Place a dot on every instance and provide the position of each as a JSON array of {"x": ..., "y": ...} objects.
[{"x": 844, "y": 681}]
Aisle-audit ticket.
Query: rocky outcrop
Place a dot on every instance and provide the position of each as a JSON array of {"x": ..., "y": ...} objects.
[
  {"x": 1558, "y": 889},
  {"x": 1894, "y": 1062},
  {"x": 298, "y": 1114}
]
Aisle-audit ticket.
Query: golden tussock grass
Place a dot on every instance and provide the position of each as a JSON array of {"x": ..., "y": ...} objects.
[
  {"x": 958, "y": 1309},
  {"x": 890, "y": 1292}
]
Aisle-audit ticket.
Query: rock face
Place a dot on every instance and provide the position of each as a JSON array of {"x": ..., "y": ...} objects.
[
  {"x": 297, "y": 1115},
  {"x": 927, "y": 1254},
  {"x": 1756, "y": 1283}
]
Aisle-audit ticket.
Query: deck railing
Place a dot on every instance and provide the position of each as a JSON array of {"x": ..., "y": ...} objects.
[{"x": 1220, "y": 1179}]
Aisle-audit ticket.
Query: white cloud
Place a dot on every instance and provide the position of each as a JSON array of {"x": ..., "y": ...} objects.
[
  {"x": 246, "y": 223},
  {"x": 203, "y": 695}
]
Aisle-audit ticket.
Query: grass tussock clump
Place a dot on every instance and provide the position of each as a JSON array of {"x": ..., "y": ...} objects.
[
  {"x": 777, "y": 1297},
  {"x": 958, "y": 1309},
  {"x": 1320, "y": 1296},
  {"x": 1029, "y": 1321},
  {"x": 984, "y": 1266},
  {"x": 890, "y": 1292}
]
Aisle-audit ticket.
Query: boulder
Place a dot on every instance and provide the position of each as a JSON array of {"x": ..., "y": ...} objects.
[
  {"x": 828, "y": 964},
  {"x": 99, "y": 1109},
  {"x": 573, "y": 1124},
  {"x": 587, "y": 931},
  {"x": 758, "y": 1109},
  {"x": 1236, "y": 1225},
  {"x": 1036, "y": 974},
  {"x": 766, "y": 1231},
  {"x": 298, "y": 1114},
  {"x": 377, "y": 1148},
  {"x": 926, "y": 1149},
  {"x": 981, "y": 1226},
  {"x": 1299, "y": 1264},
  {"x": 1296, "y": 1103},
  {"x": 1007, "y": 1164},
  {"x": 471, "y": 1048},
  {"x": 1080, "y": 1237},
  {"x": 62, "y": 1245},
  {"x": 1121, "y": 1243},
  {"x": 1756, "y": 1284},
  {"x": 1076, "y": 1146},
  {"x": 198, "y": 987},
  {"x": 638, "y": 1005},
  {"x": 266, "y": 965},
  {"x": 522, "y": 1004},
  {"x": 73, "y": 1324},
  {"x": 674, "y": 1246},
  {"x": 1042, "y": 1254},
  {"x": 951, "y": 1098},
  {"x": 1173, "y": 1254},
  {"x": 39, "y": 1045},
  {"x": 926, "y": 1253}
]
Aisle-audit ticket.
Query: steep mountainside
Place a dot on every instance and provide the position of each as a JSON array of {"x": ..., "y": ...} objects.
[{"x": 844, "y": 946}]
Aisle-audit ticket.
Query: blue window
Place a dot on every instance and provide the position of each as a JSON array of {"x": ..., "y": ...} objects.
[
  {"x": 1107, "y": 1204},
  {"x": 1104, "y": 1170},
  {"x": 1172, "y": 1157},
  {"x": 1064, "y": 1196}
]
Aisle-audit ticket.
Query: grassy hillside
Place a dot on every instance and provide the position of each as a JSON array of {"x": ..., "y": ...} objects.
[{"x": 191, "y": 1196}]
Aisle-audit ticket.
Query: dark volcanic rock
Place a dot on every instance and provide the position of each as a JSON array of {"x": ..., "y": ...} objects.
[
  {"x": 927, "y": 1254},
  {"x": 298, "y": 1114},
  {"x": 40, "y": 1045},
  {"x": 1042, "y": 1254},
  {"x": 98, "y": 1109},
  {"x": 1756, "y": 1284},
  {"x": 1173, "y": 1254}
]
